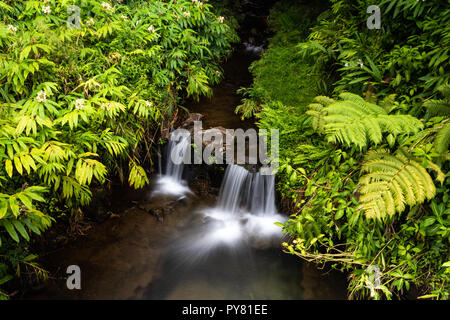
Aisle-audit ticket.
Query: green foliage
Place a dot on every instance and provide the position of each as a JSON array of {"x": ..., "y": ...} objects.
[
  {"x": 79, "y": 106},
  {"x": 365, "y": 181},
  {"x": 407, "y": 55},
  {"x": 390, "y": 182},
  {"x": 439, "y": 107},
  {"x": 352, "y": 120},
  {"x": 442, "y": 139},
  {"x": 282, "y": 75}
]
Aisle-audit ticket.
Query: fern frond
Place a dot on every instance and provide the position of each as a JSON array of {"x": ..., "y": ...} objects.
[
  {"x": 442, "y": 139},
  {"x": 391, "y": 181},
  {"x": 354, "y": 121},
  {"x": 439, "y": 107}
]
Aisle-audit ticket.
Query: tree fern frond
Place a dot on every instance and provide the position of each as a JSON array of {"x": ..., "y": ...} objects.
[
  {"x": 442, "y": 139},
  {"x": 391, "y": 181},
  {"x": 323, "y": 100},
  {"x": 439, "y": 107},
  {"x": 354, "y": 121}
]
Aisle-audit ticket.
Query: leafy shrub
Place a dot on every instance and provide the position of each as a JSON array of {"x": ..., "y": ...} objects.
[
  {"x": 366, "y": 178},
  {"x": 81, "y": 105}
]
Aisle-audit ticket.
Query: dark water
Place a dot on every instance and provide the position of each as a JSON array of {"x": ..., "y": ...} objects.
[
  {"x": 137, "y": 256},
  {"x": 228, "y": 274}
]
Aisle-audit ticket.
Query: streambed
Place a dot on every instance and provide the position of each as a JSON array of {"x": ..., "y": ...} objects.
[{"x": 160, "y": 246}]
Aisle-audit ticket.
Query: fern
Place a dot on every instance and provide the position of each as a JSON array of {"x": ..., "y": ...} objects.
[
  {"x": 391, "y": 182},
  {"x": 442, "y": 139},
  {"x": 354, "y": 121},
  {"x": 440, "y": 107}
]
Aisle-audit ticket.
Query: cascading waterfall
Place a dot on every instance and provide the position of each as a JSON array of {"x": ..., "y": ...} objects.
[
  {"x": 246, "y": 206},
  {"x": 171, "y": 181},
  {"x": 230, "y": 195},
  {"x": 250, "y": 190},
  {"x": 179, "y": 146}
]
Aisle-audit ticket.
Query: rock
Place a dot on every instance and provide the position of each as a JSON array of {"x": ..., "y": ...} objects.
[
  {"x": 159, "y": 214},
  {"x": 189, "y": 122},
  {"x": 113, "y": 215},
  {"x": 211, "y": 141}
]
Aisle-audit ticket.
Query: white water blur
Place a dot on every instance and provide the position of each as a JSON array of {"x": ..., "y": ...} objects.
[
  {"x": 252, "y": 48},
  {"x": 232, "y": 188},
  {"x": 170, "y": 181},
  {"x": 246, "y": 209}
]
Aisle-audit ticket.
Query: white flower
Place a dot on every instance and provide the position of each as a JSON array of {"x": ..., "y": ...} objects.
[
  {"x": 360, "y": 63},
  {"x": 186, "y": 14},
  {"x": 41, "y": 96},
  {"x": 107, "y": 6},
  {"x": 151, "y": 29},
  {"x": 124, "y": 17},
  {"x": 221, "y": 19},
  {"x": 148, "y": 103},
  {"x": 347, "y": 64},
  {"x": 90, "y": 22},
  {"x": 12, "y": 28},
  {"x": 79, "y": 104},
  {"x": 46, "y": 10}
]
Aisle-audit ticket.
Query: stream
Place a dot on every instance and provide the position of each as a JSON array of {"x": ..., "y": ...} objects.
[{"x": 193, "y": 234}]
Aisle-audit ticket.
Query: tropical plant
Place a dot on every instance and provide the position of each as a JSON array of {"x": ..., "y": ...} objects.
[
  {"x": 364, "y": 175},
  {"x": 352, "y": 120},
  {"x": 82, "y": 103}
]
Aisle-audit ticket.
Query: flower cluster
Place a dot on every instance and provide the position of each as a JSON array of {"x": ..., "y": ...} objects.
[
  {"x": 79, "y": 104},
  {"x": 90, "y": 22},
  {"x": 41, "y": 96},
  {"x": 12, "y": 28},
  {"x": 198, "y": 3},
  {"x": 151, "y": 29},
  {"x": 46, "y": 10},
  {"x": 221, "y": 19},
  {"x": 107, "y": 7}
]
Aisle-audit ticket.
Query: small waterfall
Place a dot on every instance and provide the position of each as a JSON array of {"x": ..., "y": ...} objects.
[
  {"x": 170, "y": 180},
  {"x": 243, "y": 189},
  {"x": 231, "y": 189},
  {"x": 179, "y": 146},
  {"x": 245, "y": 210}
]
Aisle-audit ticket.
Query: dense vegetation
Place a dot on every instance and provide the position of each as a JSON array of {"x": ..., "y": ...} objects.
[
  {"x": 83, "y": 93},
  {"x": 364, "y": 122}
]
